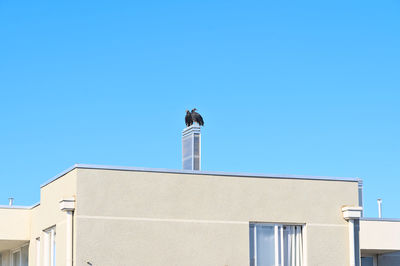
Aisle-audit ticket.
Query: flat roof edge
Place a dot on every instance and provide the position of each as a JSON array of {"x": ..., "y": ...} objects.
[
  {"x": 59, "y": 175},
  {"x": 18, "y": 207},
  {"x": 380, "y": 219},
  {"x": 164, "y": 170}
]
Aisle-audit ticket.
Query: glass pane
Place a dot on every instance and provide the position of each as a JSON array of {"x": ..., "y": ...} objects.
[
  {"x": 265, "y": 245},
  {"x": 24, "y": 255},
  {"x": 16, "y": 258},
  {"x": 268, "y": 241},
  {"x": 367, "y": 261}
]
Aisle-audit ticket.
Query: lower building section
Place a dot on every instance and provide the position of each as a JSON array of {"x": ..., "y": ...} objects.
[
  {"x": 123, "y": 241},
  {"x": 122, "y": 217},
  {"x": 15, "y": 257}
]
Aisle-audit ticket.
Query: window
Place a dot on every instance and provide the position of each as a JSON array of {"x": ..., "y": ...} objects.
[
  {"x": 38, "y": 251},
  {"x": 19, "y": 256},
  {"x": 367, "y": 261},
  {"x": 276, "y": 245},
  {"x": 24, "y": 255},
  {"x": 50, "y": 247},
  {"x": 16, "y": 258}
]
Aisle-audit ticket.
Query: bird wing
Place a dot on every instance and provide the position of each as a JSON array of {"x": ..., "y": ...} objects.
[
  {"x": 197, "y": 118},
  {"x": 188, "y": 119},
  {"x": 200, "y": 120}
]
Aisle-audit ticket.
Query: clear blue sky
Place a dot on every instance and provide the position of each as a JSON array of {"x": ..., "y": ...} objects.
[{"x": 291, "y": 87}]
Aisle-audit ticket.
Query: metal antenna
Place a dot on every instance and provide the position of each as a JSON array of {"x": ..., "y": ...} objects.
[{"x": 379, "y": 208}]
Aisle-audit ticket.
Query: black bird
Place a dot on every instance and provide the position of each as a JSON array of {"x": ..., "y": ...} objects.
[
  {"x": 196, "y": 117},
  {"x": 188, "y": 119}
]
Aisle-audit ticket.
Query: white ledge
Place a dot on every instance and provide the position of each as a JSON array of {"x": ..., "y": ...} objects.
[
  {"x": 67, "y": 204},
  {"x": 352, "y": 212}
]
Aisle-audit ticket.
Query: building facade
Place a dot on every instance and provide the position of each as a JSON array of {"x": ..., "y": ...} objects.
[{"x": 102, "y": 215}]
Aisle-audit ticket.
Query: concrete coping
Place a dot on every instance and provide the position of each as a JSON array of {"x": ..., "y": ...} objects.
[
  {"x": 375, "y": 219},
  {"x": 67, "y": 204},
  {"x": 196, "y": 172},
  {"x": 17, "y": 207},
  {"x": 351, "y": 212}
]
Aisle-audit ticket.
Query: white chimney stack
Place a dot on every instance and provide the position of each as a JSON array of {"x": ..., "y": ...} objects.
[{"x": 191, "y": 147}]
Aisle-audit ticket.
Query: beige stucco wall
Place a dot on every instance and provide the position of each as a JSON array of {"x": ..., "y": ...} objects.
[
  {"x": 48, "y": 214},
  {"x": 20, "y": 226},
  {"x": 144, "y": 218},
  {"x": 17, "y": 222},
  {"x": 379, "y": 235},
  {"x": 14, "y": 230}
]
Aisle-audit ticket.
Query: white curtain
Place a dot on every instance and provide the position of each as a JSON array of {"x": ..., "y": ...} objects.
[
  {"x": 294, "y": 254},
  {"x": 276, "y": 245}
]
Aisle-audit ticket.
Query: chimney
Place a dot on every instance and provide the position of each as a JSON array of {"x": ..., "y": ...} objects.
[{"x": 191, "y": 147}]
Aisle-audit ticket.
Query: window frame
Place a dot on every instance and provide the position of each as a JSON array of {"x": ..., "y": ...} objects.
[
  {"x": 38, "y": 250},
  {"x": 278, "y": 241},
  {"x": 49, "y": 250},
  {"x": 16, "y": 250}
]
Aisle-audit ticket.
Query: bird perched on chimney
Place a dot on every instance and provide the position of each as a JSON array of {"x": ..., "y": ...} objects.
[
  {"x": 193, "y": 116},
  {"x": 188, "y": 119},
  {"x": 196, "y": 117}
]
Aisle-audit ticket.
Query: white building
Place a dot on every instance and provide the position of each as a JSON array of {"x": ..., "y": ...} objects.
[{"x": 122, "y": 216}]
